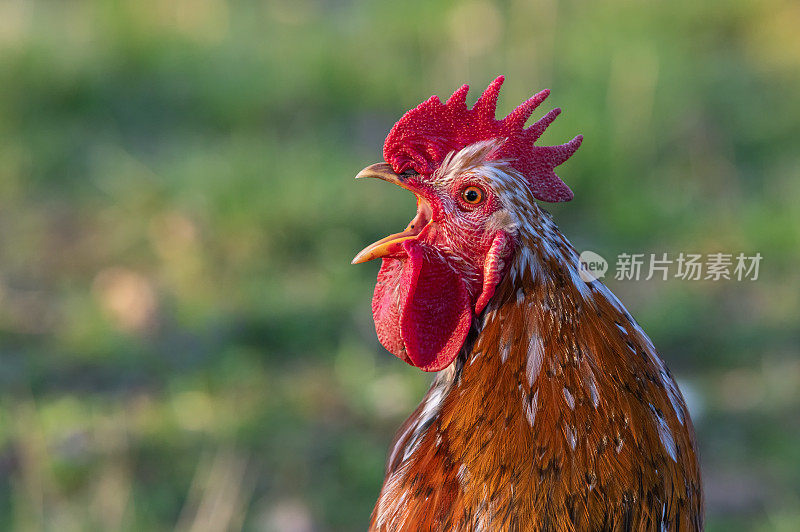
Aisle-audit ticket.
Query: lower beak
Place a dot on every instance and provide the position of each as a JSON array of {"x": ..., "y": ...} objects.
[{"x": 392, "y": 244}]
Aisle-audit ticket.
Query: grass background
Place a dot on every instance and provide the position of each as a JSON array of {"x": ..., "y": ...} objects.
[{"x": 183, "y": 342}]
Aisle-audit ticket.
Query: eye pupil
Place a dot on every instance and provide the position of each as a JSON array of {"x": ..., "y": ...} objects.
[{"x": 472, "y": 195}]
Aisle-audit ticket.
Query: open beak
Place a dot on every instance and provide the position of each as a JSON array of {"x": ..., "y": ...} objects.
[{"x": 392, "y": 244}]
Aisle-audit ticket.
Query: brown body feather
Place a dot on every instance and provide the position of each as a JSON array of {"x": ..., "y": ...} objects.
[{"x": 558, "y": 414}]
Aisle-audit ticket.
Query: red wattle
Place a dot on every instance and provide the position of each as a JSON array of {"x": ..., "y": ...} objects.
[
  {"x": 421, "y": 308},
  {"x": 386, "y": 301},
  {"x": 436, "y": 314}
]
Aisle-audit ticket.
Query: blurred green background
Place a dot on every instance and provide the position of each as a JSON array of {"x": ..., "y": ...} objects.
[{"x": 183, "y": 342}]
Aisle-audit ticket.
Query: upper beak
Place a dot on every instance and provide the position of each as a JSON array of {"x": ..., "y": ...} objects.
[
  {"x": 392, "y": 243},
  {"x": 381, "y": 171}
]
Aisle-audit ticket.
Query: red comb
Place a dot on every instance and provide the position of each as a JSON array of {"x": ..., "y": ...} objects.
[{"x": 423, "y": 137}]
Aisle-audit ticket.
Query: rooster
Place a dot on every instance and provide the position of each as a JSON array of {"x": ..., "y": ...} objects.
[{"x": 551, "y": 409}]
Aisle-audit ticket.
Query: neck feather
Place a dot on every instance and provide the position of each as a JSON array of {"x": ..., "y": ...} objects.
[{"x": 555, "y": 382}]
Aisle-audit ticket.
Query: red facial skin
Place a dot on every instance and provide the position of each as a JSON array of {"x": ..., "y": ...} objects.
[{"x": 431, "y": 288}]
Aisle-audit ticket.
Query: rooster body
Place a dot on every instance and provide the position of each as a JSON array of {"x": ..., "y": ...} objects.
[{"x": 551, "y": 409}]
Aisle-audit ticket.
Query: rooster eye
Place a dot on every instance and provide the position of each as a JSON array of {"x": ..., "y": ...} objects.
[{"x": 472, "y": 195}]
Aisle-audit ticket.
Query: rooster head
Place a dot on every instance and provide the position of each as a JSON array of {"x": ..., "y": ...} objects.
[{"x": 475, "y": 179}]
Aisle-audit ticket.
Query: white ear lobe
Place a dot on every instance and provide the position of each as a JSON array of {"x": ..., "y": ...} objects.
[{"x": 493, "y": 268}]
